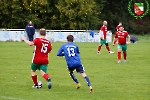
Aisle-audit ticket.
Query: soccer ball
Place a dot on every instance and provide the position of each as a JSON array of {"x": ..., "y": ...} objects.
[{"x": 39, "y": 84}]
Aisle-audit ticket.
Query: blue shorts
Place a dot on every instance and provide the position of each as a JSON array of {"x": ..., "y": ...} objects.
[{"x": 79, "y": 69}]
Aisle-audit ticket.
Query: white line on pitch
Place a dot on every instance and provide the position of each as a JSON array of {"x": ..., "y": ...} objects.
[{"x": 10, "y": 98}]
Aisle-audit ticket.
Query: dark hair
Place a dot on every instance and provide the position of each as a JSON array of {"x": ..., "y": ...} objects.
[
  {"x": 42, "y": 32},
  {"x": 70, "y": 38}
]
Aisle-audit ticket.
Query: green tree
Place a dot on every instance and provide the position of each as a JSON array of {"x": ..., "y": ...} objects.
[
  {"x": 35, "y": 10},
  {"x": 16, "y": 13},
  {"x": 71, "y": 14},
  {"x": 52, "y": 21},
  {"x": 100, "y": 4},
  {"x": 115, "y": 12},
  {"x": 6, "y": 14},
  {"x": 77, "y": 14}
]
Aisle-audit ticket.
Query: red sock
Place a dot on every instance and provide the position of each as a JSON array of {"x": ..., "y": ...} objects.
[
  {"x": 119, "y": 55},
  {"x": 125, "y": 55},
  {"x": 107, "y": 47},
  {"x": 99, "y": 47},
  {"x": 34, "y": 78},
  {"x": 46, "y": 76}
]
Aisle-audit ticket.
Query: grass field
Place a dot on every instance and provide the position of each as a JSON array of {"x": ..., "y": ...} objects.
[{"x": 110, "y": 80}]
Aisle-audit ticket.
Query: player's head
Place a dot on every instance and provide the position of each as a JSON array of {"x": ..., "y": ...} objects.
[
  {"x": 121, "y": 27},
  {"x": 42, "y": 32},
  {"x": 70, "y": 38},
  {"x": 105, "y": 22},
  {"x": 120, "y": 23},
  {"x": 30, "y": 22}
]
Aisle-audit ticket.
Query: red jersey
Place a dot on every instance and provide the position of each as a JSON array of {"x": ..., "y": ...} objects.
[
  {"x": 103, "y": 29},
  {"x": 121, "y": 36},
  {"x": 41, "y": 50}
]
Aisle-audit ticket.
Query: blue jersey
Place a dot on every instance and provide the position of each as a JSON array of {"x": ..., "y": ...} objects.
[{"x": 71, "y": 53}]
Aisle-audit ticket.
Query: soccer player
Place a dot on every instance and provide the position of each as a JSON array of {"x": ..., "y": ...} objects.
[
  {"x": 72, "y": 56},
  {"x": 117, "y": 27},
  {"x": 40, "y": 57},
  {"x": 123, "y": 39},
  {"x": 103, "y": 32}
]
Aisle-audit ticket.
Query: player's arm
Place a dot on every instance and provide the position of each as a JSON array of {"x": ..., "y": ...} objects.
[
  {"x": 27, "y": 42},
  {"x": 115, "y": 40},
  {"x": 60, "y": 52},
  {"x": 50, "y": 47},
  {"x": 101, "y": 34},
  {"x": 128, "y": 39},
  {"x": 78, "y": 50},
  {"x": 117, "y": 27}
]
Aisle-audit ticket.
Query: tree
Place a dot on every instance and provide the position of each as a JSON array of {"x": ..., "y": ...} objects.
[
  {"x": 35, "y": 10},
  {"x": 6, "y": 14},
  {"x": 100, "y": 4},
  {"x": 71, "y": 14},
  {"x": 115, "y": 12},
  {"x": 77, "y": 14},
  {"x": 16, "y": 13}
]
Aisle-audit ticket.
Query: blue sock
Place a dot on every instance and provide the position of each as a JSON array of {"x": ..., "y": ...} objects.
[
  {"x": 87, "y": 81},
  {"x": 73, "y": 77}
]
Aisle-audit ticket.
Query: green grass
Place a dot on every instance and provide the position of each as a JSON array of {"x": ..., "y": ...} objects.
[{"x": 110, "y": 80}]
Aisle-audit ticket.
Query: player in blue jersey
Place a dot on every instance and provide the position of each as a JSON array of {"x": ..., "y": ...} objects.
[{"x": 72, "y": 56}]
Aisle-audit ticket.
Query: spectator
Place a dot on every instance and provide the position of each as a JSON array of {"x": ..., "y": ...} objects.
[
  {"x": 30, "y": 29},
  {"x": 92, "y": 33}
]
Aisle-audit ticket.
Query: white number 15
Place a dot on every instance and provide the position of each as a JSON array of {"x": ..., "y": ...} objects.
[{"x": 44, "y": 48}]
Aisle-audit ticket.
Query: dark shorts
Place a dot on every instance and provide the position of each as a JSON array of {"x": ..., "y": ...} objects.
[
  {"x": 35, "y": 67},
  {"x": 79, "y": 69}
]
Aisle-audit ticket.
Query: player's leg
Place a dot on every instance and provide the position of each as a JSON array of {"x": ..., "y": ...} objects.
[
  {"x": 86, "y": 78},
  {"x": 71, "y": 69},
  {"x": 119, "y": 52},
  {"x": 34, "y": 67},
  {"x": 99, "y": 47},
  {"x": 107, "y": 47},
  {"x": 124, "y": 49},
  {"x": 43, "y": 71},
  {"x": 87, "y": 81},
  {"x": 80, "y": 69}
]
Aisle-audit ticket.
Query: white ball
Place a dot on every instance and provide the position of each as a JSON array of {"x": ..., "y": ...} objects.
[{"x": 39, "y": 84}]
